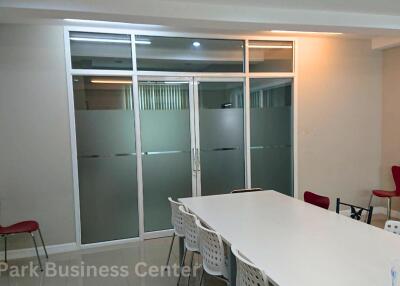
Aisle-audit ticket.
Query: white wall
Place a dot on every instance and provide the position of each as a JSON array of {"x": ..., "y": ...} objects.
[
  {"x": 35, "y": 164},
  {"x": 339, "y": 118},
  {"x": 391, "y": 118},
  {"x": 339, "y": 125}
]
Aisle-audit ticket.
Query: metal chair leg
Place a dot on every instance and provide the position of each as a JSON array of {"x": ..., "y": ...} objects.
[
  {"x": 182, "y": 263},
  {"x": 370, "y": 200},
  {"x": 44, "y": 246},
  {"x": 369, "y": 205},
  {"x": 170, "y": 250},
  {"x": 389, "y": 208},
  {"x": 191, "y": 268},
  {"x": 37, "y": 252},
  {"x": 5, "y": 248},
  {"x": 202, "y": 276}
]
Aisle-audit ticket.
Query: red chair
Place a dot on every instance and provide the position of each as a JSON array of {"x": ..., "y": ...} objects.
[
  {"x": 30, "y": 227},
  {"x": 316, "y": 200},
  {"x": 389, "y": 194}
]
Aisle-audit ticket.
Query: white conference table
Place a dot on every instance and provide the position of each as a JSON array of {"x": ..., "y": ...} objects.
[{"x": 298, "y": 244}]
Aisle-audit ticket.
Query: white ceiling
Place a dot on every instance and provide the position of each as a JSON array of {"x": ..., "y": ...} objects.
[
  {"x": 380, "y": 7},
  {"x": 356, "y": 18}
]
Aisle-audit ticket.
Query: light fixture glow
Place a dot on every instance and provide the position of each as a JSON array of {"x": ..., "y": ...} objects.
[
  {"x": 86, "y": 21},
  {"x": 111, "y": 81},
  {"x": 196, "y": 44},
  {"x": 305, "y": 32},
  {"x": 98, "y": 40},
  {"x": 269, "y": 47},
  {"x": 143, "y": 42}
]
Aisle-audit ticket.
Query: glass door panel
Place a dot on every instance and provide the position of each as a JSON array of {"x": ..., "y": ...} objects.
[
  {"x": 166, "y": 148},
  {"x": 221, "y": 131},
  {"x": 105, "y": 137},
  {"x": 271, "y": 134}
]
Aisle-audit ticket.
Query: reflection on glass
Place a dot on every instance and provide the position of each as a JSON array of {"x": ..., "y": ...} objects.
[
  {"x": 221, "y": 136},
  {"x": 165, "y": 132},
  {"x": 106, "y": 158},
  {"x": 189, "y": 54},
  {"x": 270, "y": 56},
  {"x": 271, "y": 134},
  {"x": 100, "y": 51}
]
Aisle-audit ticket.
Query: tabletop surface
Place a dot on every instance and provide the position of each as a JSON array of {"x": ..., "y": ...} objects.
[{"x": 298, "y": 244}]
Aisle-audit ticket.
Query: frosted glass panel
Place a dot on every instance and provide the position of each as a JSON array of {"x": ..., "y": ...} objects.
[
  {"x": 97, "y": 132},
  {"x": 221, "y": 137},
  {"x": 164, "y": 175},
  {"x": 271, "y": 134},
  {"x": 166, "y": 149},
  {"x": 108, "y": 198},
  {"x": 105, "y": 137}
]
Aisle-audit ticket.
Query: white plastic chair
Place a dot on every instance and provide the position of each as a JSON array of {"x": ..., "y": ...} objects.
[
  {"x": 213, "y": 253},
  {"x": 177, "y": 223},
  {"x": 247, "y": 273},
  {"x": 393, "y": 226},
  {"x": 191, "y": 236}
]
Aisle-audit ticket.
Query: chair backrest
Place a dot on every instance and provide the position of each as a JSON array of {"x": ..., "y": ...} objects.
[
  {"x": 248, "y": 274},
  {"x": 396, "y": 177},
  {"x": 176, "y": 218},
  {"x": 190, "y": 229},
  {"x": 393, "y": 226},
  {"x": 356, "y": 212},
  {"x": 316, "y": 200},
  {"x": 212, "y": 250},
  {"x": 246, "y": 190}
]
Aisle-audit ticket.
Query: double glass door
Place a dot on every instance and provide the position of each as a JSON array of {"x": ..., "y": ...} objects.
[{"x": 192, "y": 135}]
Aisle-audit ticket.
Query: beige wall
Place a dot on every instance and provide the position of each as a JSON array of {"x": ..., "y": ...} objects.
[
  {"x": 339, "y": 105},
  {"x": 35, "y": 160},
  {"x": 339, "y": 118},
  {"x": 391, "y": 117}
]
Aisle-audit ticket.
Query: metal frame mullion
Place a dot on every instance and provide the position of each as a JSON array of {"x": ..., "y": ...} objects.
[
  {"x": 193, "y": 128},
  {"x": 197, "y": 135},
  {"x": 138, "y": 141}
]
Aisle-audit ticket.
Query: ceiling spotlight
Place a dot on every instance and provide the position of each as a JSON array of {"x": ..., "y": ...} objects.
[{"x": 196, "y": 44}]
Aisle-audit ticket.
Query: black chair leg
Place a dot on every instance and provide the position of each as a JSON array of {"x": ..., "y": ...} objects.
[
  {"x": 170, "y": 250},
  {"x": 44, "y": 246},
  {"x": 202, "y": 276},
  {"x": 191, "y": 268},
  {"x": 37, "y": 252},
  {"x": 5, "y": 248},
  {"x": 182, "y": 263}
]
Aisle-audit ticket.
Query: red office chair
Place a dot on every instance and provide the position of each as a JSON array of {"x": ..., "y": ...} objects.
[
  {"x": 389, "y": 194},
  {"x": 316, "y": 200},
  {"x": 30, "y": 227}
]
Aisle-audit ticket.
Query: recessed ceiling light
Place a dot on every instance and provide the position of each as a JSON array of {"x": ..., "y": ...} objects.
[
  {"x": 88, "y": 21},
  {"x": 196, "y": 44},
  {"x": 306, "y": 32}
]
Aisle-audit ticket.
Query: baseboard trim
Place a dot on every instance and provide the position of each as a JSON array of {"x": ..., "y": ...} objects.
[
  {"x": 158, "y": 234},
  {"x": 30, "y": 252}
]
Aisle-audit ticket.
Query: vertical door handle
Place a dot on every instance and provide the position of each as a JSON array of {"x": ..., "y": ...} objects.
[
  {"x": 194, "y": 163},
  {"x": 198, "y": 159}
]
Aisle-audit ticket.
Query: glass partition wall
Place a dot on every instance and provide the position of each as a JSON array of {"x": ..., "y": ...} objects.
[{"x": 156, "y": 117}]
